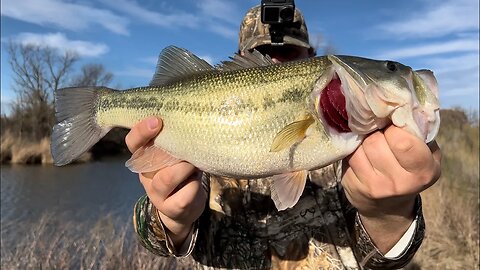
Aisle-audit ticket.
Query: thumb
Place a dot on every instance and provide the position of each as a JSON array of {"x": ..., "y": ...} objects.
[
  {"x": 143, "y": 132},
  {"x": 411, "y": 152}
]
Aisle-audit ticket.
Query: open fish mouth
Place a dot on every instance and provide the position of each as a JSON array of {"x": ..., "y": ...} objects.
[
  {"x": 361, "y": 99},
  {"x": 333, "y": 105},
  {"x": 343, "y": 104}
]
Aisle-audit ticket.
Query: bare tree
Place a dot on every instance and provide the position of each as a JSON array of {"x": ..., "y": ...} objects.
[
  {"x": 92, "y": 75},
  {"x": 38, "y": 72}
]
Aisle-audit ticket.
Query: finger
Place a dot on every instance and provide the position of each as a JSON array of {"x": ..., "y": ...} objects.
[
  {"x": 168, "y": 179},
  {"x": 185, "y": 199},
  {"x": 146, "y": 183},
  {"x": 360, "y": 164},
  {"x": 142, "y": 133},
  {"x": 380, "y": 156},
  {"x": 353, "y": 186},
  {"x": 412, "y": 154}
]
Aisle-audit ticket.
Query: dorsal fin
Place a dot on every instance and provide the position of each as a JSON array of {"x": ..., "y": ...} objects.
[
  {"x": 247, "y": 60},
  {"x": 175, "y": 63}
]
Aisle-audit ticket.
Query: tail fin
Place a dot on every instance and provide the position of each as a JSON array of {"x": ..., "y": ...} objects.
[{"x": 76, "y": 130}]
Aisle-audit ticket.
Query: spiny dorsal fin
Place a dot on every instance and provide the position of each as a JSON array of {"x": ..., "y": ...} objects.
[
  {"x": 247, "y": 60},
  {"x": 175, "y": 63},
  {"x": 292, "y": 133}
]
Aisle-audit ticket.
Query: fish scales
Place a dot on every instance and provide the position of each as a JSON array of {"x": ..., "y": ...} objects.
[{"x": 238, "y": 112}]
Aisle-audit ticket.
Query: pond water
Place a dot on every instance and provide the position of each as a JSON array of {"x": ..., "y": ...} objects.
[{"x": 82, "y": 193}]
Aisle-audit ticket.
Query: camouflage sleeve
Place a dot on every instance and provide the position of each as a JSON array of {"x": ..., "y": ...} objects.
[
  {"x": 368, "y": 254},
  {"x": 151, "y": 232}
]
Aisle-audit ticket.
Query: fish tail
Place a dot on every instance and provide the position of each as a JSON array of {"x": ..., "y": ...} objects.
[{"x": 76, "y": 129}]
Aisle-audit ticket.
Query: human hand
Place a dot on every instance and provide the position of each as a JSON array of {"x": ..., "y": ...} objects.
[
  {"x": 175, "y": 191},
  {"x": 384, "y": 175}
]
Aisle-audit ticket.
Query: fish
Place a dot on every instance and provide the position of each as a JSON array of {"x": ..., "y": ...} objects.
[{"x": 249, "y": 117}]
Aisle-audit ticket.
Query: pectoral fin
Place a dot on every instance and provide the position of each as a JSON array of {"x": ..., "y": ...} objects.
[
  {"x": 149, "y": 159},
  {"x": 287, "y": 188},
  {"x": 291, "y": 134}
]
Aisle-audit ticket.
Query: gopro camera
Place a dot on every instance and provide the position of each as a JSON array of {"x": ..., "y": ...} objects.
[
  {"x": 277, "y": 11},
  {"x": 278, "y": 14}
]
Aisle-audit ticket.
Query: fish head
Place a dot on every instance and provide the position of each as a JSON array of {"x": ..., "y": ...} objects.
[{"x": 379, "y": 93}]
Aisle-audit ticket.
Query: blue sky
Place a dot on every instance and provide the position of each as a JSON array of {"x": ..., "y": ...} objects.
[{"x": 126, "y": 36}]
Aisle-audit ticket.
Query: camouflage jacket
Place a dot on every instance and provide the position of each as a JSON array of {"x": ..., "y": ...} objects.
[{"x": 241, "y": 229}]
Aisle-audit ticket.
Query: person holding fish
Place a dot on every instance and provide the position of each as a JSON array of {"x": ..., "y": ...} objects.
[
  {"x": 276, "y": 159},
  {"x": 364, "y": 211}
]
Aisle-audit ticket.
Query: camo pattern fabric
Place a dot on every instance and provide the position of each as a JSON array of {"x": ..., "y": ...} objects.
[
  {"x": 241, "y": 229},
  {"x": 254, "y": 33}
]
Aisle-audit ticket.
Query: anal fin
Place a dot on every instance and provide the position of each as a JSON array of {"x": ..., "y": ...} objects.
[
  {"x": 287, "y": 188},
  {"x": 149, "y": 159}
]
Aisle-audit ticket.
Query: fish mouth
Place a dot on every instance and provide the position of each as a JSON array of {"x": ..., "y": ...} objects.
[
  {"x": 369, "y": 104},
  {"x": 426, "y": 113},
  {"x": 345, "y": 90},
  {"x": 333, "y": 106}
]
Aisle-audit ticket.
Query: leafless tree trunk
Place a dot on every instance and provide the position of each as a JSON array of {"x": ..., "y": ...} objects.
[
  {"x": 93, "y": 75},
  {"x": 38, "y": 72}
]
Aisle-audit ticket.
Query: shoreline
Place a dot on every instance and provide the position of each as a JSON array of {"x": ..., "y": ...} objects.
[{"x": 16, "y": 151}]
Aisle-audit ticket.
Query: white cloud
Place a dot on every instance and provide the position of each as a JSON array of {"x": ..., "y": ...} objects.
[
  {"x": 459, "y": 45},
  {"x": 174, "y": 19},
  {"x": 221, "y": 17},
  {"x": 457, "y": 72},
  {"x": 224, "y": 31},
  {"x": 439, "y": 18},
  {"x": 463, "y": 62},
  {"x": 446, "y": 41},
  {"x": 60, "y": 42},
  {"x": 222, "y": 9},
  {"x": 67, "y": 15},
  {"x": 458, "y": 78},
  {"x": 216, "y": 16}
]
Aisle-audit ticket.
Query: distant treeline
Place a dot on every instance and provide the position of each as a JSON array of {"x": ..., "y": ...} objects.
[{"x": 37, "y": 73}]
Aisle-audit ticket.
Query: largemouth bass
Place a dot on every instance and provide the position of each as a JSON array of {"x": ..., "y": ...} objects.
[{"x": 251, "y": 118}]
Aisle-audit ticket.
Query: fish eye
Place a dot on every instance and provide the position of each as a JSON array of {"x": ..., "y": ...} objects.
[{"x": 392, "y": 66}]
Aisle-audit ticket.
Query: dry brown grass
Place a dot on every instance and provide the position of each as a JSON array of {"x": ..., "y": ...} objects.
[
  {"x": 6, "y": 143},
  {"x": 451, "y": 206},
  {"x": 24, "y": 152},
  {"x": 20, "y": 151},
  {"x": 55, "y": 243}
]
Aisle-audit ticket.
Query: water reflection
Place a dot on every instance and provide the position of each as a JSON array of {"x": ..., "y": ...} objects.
[{"x": 80, "y": 193}]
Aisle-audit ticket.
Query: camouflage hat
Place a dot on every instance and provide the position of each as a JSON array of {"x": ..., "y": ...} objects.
[{"x": 254, "y": 33}]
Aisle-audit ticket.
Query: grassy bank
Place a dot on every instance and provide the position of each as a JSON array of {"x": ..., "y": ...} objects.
[
  {"x": 16, "y": 150},
  {"x": 54, "y": 243},
  {"x": 451, "y": 206}
]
